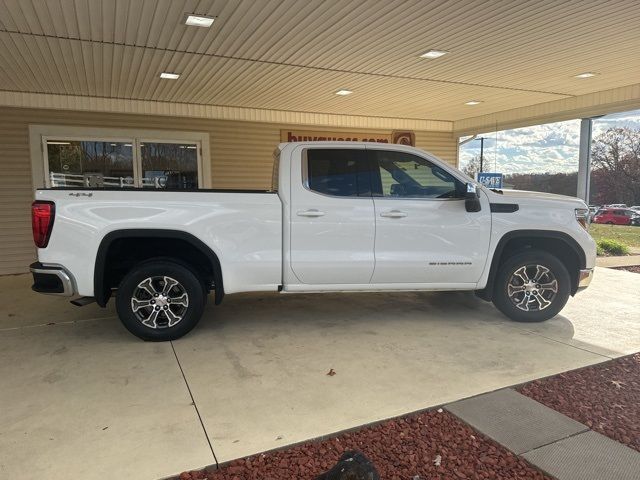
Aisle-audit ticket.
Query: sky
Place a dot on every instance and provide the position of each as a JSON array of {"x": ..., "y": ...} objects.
[{"x": 552, "y": 147}]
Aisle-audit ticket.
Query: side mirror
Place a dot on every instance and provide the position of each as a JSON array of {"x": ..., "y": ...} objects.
[{"x": 472, "y": 199}]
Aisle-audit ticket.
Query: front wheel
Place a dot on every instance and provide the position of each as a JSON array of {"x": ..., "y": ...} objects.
[
  {"x": 531, "y": 286},
  {"x": 159, "y": 300}
]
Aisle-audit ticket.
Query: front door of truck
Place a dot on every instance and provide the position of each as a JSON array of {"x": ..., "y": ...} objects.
[
  {"x": 424, "y": 235},
  {"x": 332, "y": 217}
]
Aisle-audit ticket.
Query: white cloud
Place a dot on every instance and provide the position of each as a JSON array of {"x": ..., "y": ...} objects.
[
  {"x": 551, "y": 147},
  {"x": 625, "y": 119}
]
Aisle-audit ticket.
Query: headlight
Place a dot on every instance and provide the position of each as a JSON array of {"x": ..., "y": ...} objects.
[{"x": 582, "y": 216}]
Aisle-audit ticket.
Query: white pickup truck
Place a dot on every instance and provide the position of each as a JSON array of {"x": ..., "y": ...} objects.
[{"x": 340, "y": 216}]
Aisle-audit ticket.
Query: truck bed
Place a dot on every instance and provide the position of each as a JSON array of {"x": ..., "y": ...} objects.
[{"x": 247, "y": 226}]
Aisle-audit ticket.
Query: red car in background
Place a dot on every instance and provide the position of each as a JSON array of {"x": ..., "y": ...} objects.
[{"x": 615, "y": 216}]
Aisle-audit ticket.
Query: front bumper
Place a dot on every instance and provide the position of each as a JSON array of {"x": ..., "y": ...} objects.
[
  {"x": 52, "y": 280},
  {"x": 584, "y": 278}
]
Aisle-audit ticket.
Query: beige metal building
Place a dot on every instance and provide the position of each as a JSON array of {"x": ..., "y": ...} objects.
[{"x": 81, "y": 75}]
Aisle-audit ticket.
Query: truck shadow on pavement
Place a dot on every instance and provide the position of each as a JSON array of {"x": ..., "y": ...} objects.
[{"x": 365, "y": 313}]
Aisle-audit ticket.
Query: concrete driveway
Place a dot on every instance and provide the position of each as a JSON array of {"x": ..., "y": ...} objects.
[{"x": 81, "y": 397}]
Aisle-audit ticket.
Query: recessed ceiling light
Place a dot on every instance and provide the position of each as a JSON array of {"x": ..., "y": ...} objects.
[
  {"x": 199, "y": 20},
  {"x": 585, "y": 75},
  {"x": 170, "y": 76},
  {"x": 344, "y": 92},
  {"x": 433, "y": 54},
  {"x": 473, "y": 102}
]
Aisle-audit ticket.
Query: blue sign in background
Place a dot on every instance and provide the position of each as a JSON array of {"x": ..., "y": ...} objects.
[{"x": 490, "y": 180}]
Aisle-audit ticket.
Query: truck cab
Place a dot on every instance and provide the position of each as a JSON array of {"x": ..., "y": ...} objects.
[{"x": 366, "y": 215}]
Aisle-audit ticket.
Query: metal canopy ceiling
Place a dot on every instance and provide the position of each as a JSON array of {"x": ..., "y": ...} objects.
[{"x": 294, "y": 54}]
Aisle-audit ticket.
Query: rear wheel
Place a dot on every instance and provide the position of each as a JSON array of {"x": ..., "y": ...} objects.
[
  {"x": 531, "y": 286},
  {"x": 160, "y": 300}
]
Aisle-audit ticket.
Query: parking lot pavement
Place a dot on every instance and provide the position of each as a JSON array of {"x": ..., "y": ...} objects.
[
  {"x": 604, "y": 319},
  {"x": 84, "y": 399},
  {"x": 257, "y": 369},
  {"x": 23, "y": 308}
]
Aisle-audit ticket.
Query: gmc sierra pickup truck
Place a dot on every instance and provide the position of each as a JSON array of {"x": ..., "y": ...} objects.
[{"x": 340, "y": 216}]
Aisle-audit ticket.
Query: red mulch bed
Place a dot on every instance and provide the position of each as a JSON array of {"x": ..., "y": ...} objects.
[
  {"x": 604, "y": 397},
  {"x": 404, "y": 448},
  {"x": 635, "y": 269}
]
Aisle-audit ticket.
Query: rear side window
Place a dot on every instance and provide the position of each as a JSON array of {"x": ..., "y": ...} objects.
[{"x": 338, "y": 172}]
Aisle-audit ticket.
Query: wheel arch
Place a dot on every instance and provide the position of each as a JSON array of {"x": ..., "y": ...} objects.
[
  {"x": 102, "y": 287},
  {"x": 566, "y": 249}
]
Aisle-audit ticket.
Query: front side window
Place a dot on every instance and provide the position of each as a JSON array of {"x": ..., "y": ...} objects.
[
  {"x": 337, "y": 172},
  {"x": 405, "y": 175}
]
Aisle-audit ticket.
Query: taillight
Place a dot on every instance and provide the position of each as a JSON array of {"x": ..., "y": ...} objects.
[{"x": 42, "y": 215}]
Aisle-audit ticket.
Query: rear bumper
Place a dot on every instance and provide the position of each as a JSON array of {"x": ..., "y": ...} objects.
[
  {"x": 52, "y": 280},
  {"x": 584, "y": 278}
]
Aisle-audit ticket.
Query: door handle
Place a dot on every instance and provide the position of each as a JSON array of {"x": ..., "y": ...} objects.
[
  {"x": 310, "y": 213},
  {"x": 393, "y": 214}
]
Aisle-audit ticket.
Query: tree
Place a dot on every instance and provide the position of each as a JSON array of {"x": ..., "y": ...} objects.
[
  {"x": 472, "y": 167},
  {"x": 615, "y": 156},
  {"x": 560, "y": 183}
]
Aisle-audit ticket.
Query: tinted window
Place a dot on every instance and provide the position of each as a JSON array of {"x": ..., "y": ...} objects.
[
  {"x": 409, "y": 176},
  {"x": 338, "y": 172}
]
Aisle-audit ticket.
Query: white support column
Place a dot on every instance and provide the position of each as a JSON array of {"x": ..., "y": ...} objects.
[{"x": 584, "y": 159}]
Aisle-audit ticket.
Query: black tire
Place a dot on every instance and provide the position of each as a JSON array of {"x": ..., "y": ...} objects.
[
  {"x": 526, "y": 303},
  {"x": 154, "y": 322}
]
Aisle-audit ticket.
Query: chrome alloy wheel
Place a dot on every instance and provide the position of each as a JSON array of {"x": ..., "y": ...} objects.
[
  {"x": 532, "y": 288},
  {"x": 160, "y": 302}
]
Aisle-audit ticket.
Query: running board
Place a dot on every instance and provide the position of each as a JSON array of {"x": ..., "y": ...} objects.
[{"x": 82, "y": 301}]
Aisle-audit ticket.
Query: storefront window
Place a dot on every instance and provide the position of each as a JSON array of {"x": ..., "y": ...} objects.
[
  {"x": 127, "y": 163},
  {"x": 169, "y": 165},
  {"x": 90, "y": 164}
]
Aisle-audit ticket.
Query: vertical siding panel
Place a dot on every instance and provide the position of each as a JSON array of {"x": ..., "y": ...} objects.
[
  {"x": 441, "y": 144},
  {"x": 16, "y": 244}
]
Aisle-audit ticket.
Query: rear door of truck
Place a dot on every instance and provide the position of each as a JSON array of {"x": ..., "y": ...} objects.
[{"x": 332, "y": 216}]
